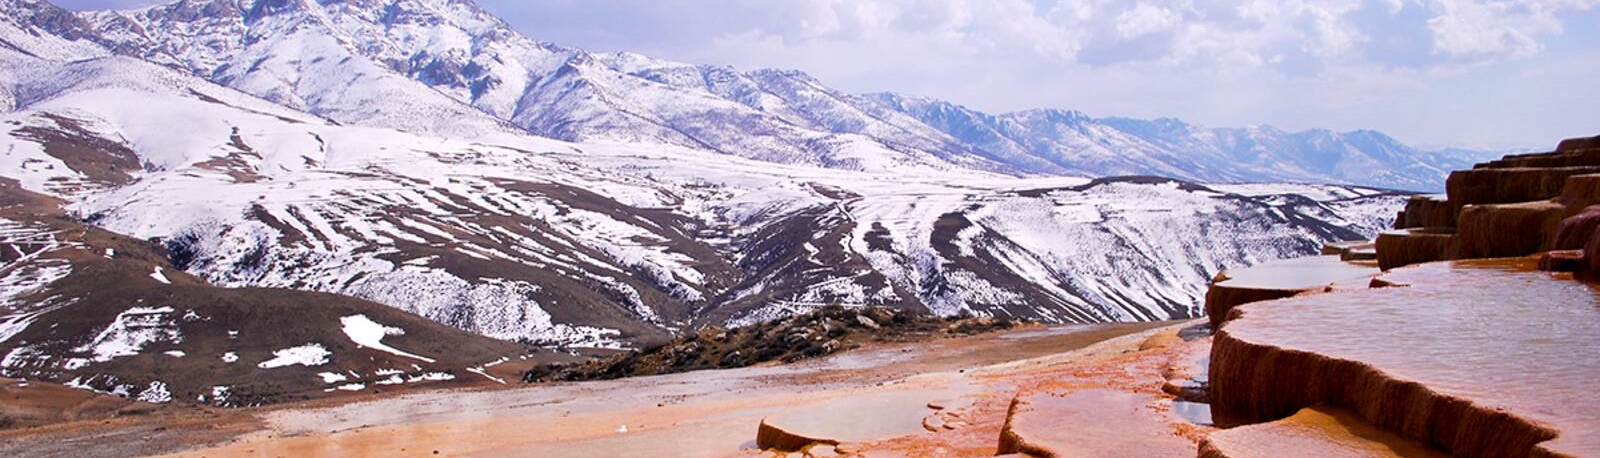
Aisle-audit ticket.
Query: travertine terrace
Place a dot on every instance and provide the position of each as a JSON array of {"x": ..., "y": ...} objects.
[
  {"x": 1508, "y": 207},
  {"x": 1489, "y": 355},
  {"x": 1286, "y": 278}
]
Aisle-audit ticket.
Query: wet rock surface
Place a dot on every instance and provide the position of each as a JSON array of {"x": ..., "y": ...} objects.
[
  {"x": 1426, "y": 211},
  {"x": 1478, "y": 358},
  {"x": 1502, "y": 230},
  {"x": 1103, "y": 423},
  {"x": 1317, "y": 432},
  {"x": 856, "y": 419},
  {"x": 1484, "y": 357},
  {"x": 1281, "y": 279}
]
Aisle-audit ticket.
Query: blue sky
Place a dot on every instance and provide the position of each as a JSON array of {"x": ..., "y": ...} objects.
[{"x": 1474, "y": 73}]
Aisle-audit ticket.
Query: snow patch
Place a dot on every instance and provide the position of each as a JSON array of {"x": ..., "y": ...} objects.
[
  {"x": 131, "y": 331},
  {"x": 156, "y": 393},
  {"x": 160, "y": 277},
  {"x": 367, "y": 333},
  {"x": 312, "y": 354}
]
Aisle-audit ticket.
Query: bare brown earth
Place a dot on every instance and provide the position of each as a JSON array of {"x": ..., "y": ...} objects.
[
  {"x": 26, "y": 404},
  {"x": 698, "y": 414}
]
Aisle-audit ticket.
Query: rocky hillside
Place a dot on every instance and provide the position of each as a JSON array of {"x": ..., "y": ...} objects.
[{"x": 100, "y": 311}]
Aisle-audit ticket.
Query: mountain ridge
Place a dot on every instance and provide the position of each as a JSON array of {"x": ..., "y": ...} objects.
[{"x": 467, "y": 54}]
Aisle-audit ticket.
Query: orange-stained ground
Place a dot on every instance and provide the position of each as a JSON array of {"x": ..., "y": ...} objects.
[{"x": 702, "y": 414}]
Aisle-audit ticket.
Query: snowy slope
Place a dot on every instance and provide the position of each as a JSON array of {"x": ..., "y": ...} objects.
[
  {"x": 252, "y": 194},
  {"x": 295, "y": 176},
  {"x": 100, "y": 311},
  {"x": 290, "y": 52},
  {"x": 522, "y": 238},
  {"x": 37, "y": 28}
]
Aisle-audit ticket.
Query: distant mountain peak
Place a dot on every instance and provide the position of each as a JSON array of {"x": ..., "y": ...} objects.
[{"x": 469, "y": 71}]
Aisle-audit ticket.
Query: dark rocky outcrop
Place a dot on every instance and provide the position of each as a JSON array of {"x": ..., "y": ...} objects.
[
  {"x": 819, "y": 333},
  {"x": 1576, "y": 245}
]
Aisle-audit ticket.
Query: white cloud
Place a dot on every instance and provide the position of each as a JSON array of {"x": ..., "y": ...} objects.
[
  {"x": 1144, "y": 19},
  {"x": 1497, "y": 29}
]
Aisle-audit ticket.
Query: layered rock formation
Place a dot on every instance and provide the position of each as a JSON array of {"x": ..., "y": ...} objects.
[
  {"x": 1481, "y": 358},
  {"x": 1512, "y": 206},
  {"x": 1313, "y": 433},
  {"x": 1286, "y": 278},
  {"x": 1105, "y": 422}
]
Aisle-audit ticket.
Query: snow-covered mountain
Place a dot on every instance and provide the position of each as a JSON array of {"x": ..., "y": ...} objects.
[
  {"x": 524, "y": 238},
  {"x": 1073, "y": 142},
  {"x": 346, "y": 59},
  {"x": 381, "y": 151}
]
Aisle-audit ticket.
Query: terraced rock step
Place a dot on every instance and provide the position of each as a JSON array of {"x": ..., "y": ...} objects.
[
  {"x": 1510, "y": 185},
  {"x": 1315, "y": 432},
  {"x": 1280, "y": 279},
  {"x": 1582, "y": 188},
  {"x": 1089, "y": 423},
  {"x": 1576, "y": 244},
  {"x": 1426, "y": 211},
  {"x": 853, "y": 419},
  {"x": 1478, "y": 358},
  {"x": 1509, "y": 207},
  {"x": 1404, "y": 247},
  {"x": 1505, "y": 230},
  {"x": 1360, "y": 250}
]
